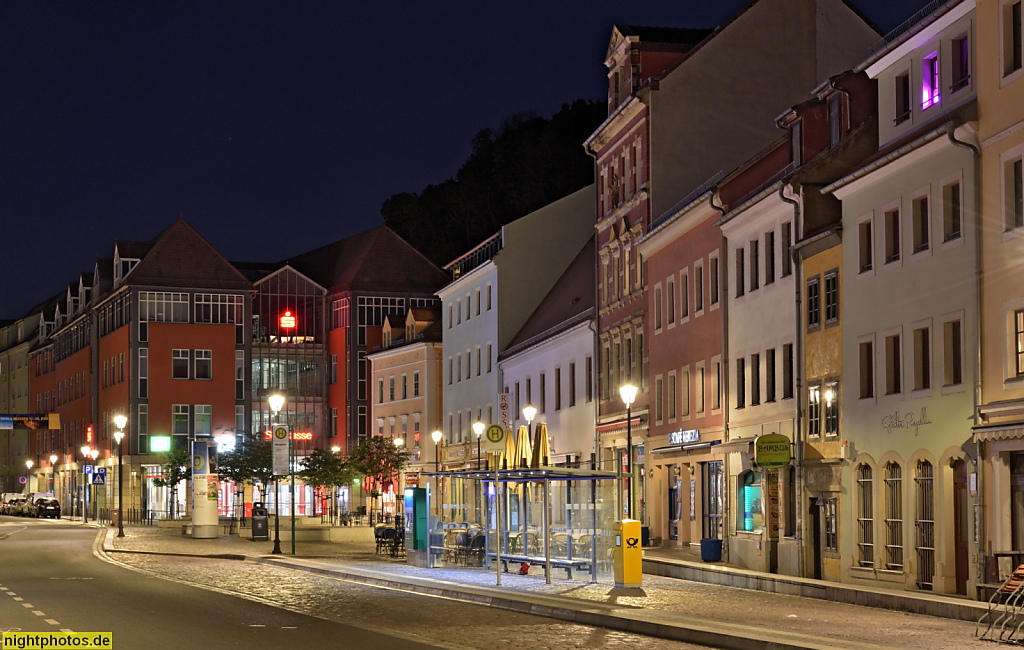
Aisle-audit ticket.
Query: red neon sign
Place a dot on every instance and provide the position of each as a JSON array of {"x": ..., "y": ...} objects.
[
  {"x": 88, "y": 433},
  {"x": 288, "y": 321},
  {"x": 295, "y": 435}
]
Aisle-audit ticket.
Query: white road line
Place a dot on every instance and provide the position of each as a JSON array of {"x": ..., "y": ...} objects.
[
  {"x": 52, "y": 622},
  {"x": 18, "y": 598},
  {"x": 67, "y": 630},
  {"x": 39, "y": 613},
  {"x": 29, "y": 605}
]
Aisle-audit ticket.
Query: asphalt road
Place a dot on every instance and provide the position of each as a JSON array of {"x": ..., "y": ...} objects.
[{"x": 50, "y": 580}]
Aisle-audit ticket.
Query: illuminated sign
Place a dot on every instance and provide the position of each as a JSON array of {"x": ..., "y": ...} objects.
[
  {"x": 159, "y": 443},
  {"x": 296, "y": 435},
  {"x": 88, "y": 433},
  {"x": 684, "y": 436},
  {"x": 288, "y": 321},
  {"x": 772, "y": 450}
]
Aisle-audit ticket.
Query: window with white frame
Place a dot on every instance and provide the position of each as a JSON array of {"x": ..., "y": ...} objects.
[
  {"x": 179, "y": 364},
  {"x": 922, "y": 358},
  {"x": 830, "y": 421},
  {"x": 930, "y": 84},
  {"x": 952, "y": 211},
  {"x": 202, "y": 420},
  {"x": 203, "y": 364},
  {"x": 831, "y": 280},
  {"x": 684, "y": 295},
  {"x": 657, "y": 308},
  {"x": 179, "y": 419},
  {"x": 902, "y": 95},
  {"x": 1011, "y": 37},
  {"x": 814, "y": 409},
  {"x": 865, "y": 244},
  {"x": 1013, "y": 192},
  {"x": 698, "y": 286},
  {"x": 670, "y": 301},
  {"x": 713, "y": 279},
  {"x": 866, "y": 363},
  {"x": 163, "y": 307},
  {"x": 813, "y": 303},
  {"x": 891, "y": 219}
]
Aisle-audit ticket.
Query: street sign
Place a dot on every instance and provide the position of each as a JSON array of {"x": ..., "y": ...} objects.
[
  {"x": 503, "y": 400},
  {"x": 495, "y": 437},
  {"x": 279, "y": 442},
  {"x": 99, "y": 476},
  {"x": 772, "y": 451},
  {"x": 87, "y": 469}
]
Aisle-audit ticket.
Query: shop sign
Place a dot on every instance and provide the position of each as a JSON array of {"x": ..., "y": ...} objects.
[
  {"x": 772, "y": 450},
  {"x": 684, "y": 436},
  {"x": 412, "y": 479}
]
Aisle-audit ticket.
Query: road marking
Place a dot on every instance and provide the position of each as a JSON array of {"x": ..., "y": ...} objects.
[
  {"x": 52, "y": 622},
  {"x": 29, "y": 605},
  {"x": 67, "y": 630},
  {"x": 39, "y": 613},
  {"x": 18, "y": 598}
]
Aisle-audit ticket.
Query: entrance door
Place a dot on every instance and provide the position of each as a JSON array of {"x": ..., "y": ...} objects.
[
  {"x": 673, "y": 507},
  {"x": 817, "y": 532},
  {"x": 961, "y": 517}
]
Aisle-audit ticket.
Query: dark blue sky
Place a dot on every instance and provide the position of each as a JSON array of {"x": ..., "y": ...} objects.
[{"x": 272, "y": 127}]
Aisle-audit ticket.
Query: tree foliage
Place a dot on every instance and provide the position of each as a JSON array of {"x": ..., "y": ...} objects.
[
  {"x": 327, "y": 468},
  {"x": 175, "y": 468},
  {"x": 526, "y": 164},
  {"x": 251, "y": 460},
  {"x": 378, "y": 458}
]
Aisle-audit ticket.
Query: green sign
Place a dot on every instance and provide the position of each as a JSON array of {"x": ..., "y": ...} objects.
[
  {"x": 159, "y": 443},
  {"x": 772, "y": 450}
]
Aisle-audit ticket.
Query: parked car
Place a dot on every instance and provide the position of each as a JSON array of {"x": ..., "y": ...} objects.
[
  {"x": 13, "y": 506},
  {"x": 45, "y": 507}
]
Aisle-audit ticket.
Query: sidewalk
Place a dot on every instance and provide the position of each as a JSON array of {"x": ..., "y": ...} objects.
[{"x": 712, "y": 614}]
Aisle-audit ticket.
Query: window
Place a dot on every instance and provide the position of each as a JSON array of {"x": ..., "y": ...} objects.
[
  {"x": 416, "y": 383},
  {"x": 829, "y": 521},
  {"x": 755, "y": 265},
  {"x": 813, "y": 303},
  {"x": 391, "y": 388},
  {"x": 755, "y": 379},
  {"x": 787, "y": 371},
  {"x": 589, "y": 379},
  {"x": 865, "y": 517},
  {"x": 477, "y": 302},
  {"x": 380, "y": 391},
  {"x": 952, "y": 353},
  {"x": 961, "y": 68},
  {"x": 814, "y": 409},
  {"x": 659, "y": 399},
  {"x": 1018, "y": 339},
  {"x": 698, "y": 287},
  {"x": 902, "y": 98},
  {"x": 787, "y": 249},
  {"x": 865, "y": 244},
  {"x": 203, "y": 364},
  {"x": 892, "y": 235},
  {"x": 489, "y": 357},
  {"x": 866, "y": 354},
  {"x": 1014, "y": 184},
  {"x": 701, "y": 388},
  {"x": 835, "y": 120},
  {"x": 684, "y": 294},
  {"x": 405, "y": 386},
  {"x": 751, "y": 514},
  {"x": 769, "y": 375},
  {"x": 572, "y": 384},
  {"x": 831, "y": 419},
  {"x": 672, "y": 396},
  {"x": 713, "y": 491},
  {"x": 179, "y": 364},
  {"x": 203, "y": 420},
  {"x": 769, "y": 258},
  {"x": 1012, "y": 54},
  {"x": 713, "y": 280},
  {"x": 741, "y": 382},
  {"x": 179, "y": 419},
  {"x": 684, "y": 386},
  {"x": 930, "y": 80},
  {"x": 543, "y": 393},
  {"x": 657, "y": 307},
  {"x": 893, "y": 371},
  {"x": 143, "y": 373},
  {"x": 796, "y": 142},
  {"x": 922, "y": 358},
  {"x": 162, "y": 307},
  {"x": 218, "y": 309},
  {"x": 239, "y": 374},
  {"x": 924, "y": 523},
  {"x": 740, "y": 272},
  {"x": 920, "y": 218},
  {"x": 832, "y": 296},
  {"x": 951, "y": 212},
  {"x": 893, "y": 517},
  {"x": 670, "y": 296}
]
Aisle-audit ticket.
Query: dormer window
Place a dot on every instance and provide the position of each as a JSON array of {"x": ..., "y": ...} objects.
[
  {"x": 930, "y": 80},
  {"x": 961, "y": 50},
  {"x": 835, "y": 120},
  {"x": 902, "y": 104}
]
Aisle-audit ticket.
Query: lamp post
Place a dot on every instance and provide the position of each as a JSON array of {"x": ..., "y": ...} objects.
[
  {"x": 628, "y": 394},
  {"x": 28, "y": 472},
  {"x": 85, "y": 486},
  {"x": 478, "y": 429},
  {"x": 120, "y": 421},
  {"x": 276, "y": 402},
  {"x": 437, "y": 449},
  {"x": 53, "y": 473},
  {"x": 529, "y": 412}
]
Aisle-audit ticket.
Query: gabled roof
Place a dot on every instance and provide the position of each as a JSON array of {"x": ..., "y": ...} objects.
[
  {"x": 685, "y": 35},
  {"x": 180, "y": 257},
  {"x": 375, "y": 260},
  {"x": 569, "y": 300},
  {"x": 132, "y": 250}
]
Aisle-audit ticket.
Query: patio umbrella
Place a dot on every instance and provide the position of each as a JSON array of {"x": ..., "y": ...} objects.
[
  {"x": 541, "y": 447},
  {"x": 522, "y": 457},
  {"x": 509, "y": 453}
]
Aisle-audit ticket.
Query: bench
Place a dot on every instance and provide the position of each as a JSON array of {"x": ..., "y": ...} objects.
[{"x": 555, "y": 562}]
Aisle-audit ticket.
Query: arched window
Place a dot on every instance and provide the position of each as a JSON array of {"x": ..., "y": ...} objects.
[
  {"x": 865, "y": 517},
  {"x": 751, "y": 511},
  {"x": 893, "y": 517},
  {"x": 924, "y": 522}
]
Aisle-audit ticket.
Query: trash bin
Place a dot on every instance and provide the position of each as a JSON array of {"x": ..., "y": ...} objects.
[
  {"x": 260, "y": 523},
  {"x": 711, "y": 550},
  {"x": 115, "y": 516}
]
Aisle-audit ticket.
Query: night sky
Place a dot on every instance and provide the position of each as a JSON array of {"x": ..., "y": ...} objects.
[{"x": 271, "y": 127}]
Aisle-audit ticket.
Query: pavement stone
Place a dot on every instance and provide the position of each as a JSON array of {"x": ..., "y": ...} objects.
[{"x": 670, "y": 608}]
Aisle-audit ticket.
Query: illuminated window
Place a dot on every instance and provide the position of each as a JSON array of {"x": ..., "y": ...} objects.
[
  {"x": 179, "y": 420},
  {"x": 930, "y": 80},
  {"x": 203, "y": 419},
  {"x": 751, "y": 517}
]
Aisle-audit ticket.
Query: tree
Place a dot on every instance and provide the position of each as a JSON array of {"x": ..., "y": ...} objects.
[
  {"x": 250, "y": 461},
  {"x": 326, "y": 468},
  {"x": 379, "y": 460},
  {"x": 175, "y": 470}
]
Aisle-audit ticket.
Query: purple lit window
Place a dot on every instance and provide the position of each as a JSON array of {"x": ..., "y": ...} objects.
[{"x": 930, "y": 80}]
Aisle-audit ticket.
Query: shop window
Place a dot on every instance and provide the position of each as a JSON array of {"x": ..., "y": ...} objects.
[
  {"x": 751, "y": 512},
  {"x": 893, "y": 517}
]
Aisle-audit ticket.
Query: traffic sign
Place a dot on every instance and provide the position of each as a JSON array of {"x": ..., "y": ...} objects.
[
  {"x": 495, "y": 437},
  {"x": 99, "y": 476},
  {"x": 87, "y": 469}
]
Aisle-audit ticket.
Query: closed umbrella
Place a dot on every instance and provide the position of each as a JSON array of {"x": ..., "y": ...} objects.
[
  {"x": 522, "y": 457},
  {"x": 509, "y": 453},
  {"x": 541, "y": 447}
]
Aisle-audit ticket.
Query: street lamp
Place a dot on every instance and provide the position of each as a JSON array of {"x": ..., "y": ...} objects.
[
  {"x": 478, "y": 429},
  {"x": 437, "y": 449},
  {"x": 85, "y": 485},
  {"x": 276, "y": 402},
  {"x": 29, "y": 464},
  {"x": 529, "y": 412},
  {"x": 120, "y": 421},
  {"x": 94, "y": 453},
  {"x": 53, "y": 473},
  {"x": 628, "y": 394}
]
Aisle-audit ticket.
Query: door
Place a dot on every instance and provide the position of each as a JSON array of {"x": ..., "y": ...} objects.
[
  {"x": 961, "y": 517},
  {"x": 673, "y": 507},
  {"x": 817, "y": 532}
]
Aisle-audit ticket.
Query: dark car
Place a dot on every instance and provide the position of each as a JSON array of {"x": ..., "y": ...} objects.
[{"x": 45, "y": 507}]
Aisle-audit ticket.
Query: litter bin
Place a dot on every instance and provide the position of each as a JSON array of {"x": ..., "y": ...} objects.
[
  {"x": 115, "y": 517},
  {"x": 260, "y": 523},
  {"x": 711, "y": 550}
]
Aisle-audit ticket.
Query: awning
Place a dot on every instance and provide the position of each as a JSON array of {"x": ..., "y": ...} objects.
[
  {"x": 687, "y": 447},
  {"x": 1008, "y": 431}
]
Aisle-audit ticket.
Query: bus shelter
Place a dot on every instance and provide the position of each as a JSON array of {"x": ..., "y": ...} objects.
[{"x": 557, "y": 518}]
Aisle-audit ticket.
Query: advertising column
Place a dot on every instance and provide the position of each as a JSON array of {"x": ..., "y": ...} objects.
[{"x": 204, "y": 493}]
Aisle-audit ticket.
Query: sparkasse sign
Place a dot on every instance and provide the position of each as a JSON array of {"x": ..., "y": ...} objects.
[{"x": 772, "y": 450}]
